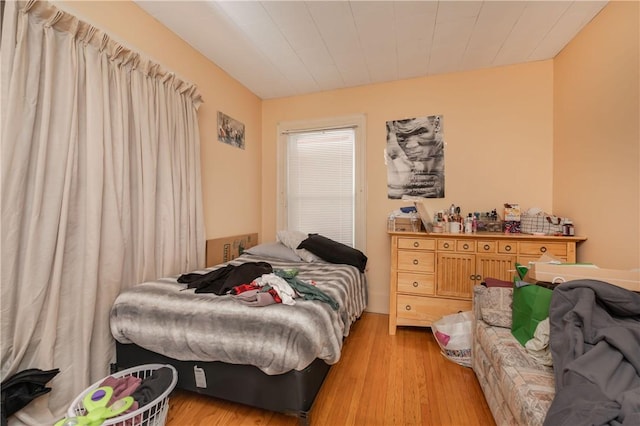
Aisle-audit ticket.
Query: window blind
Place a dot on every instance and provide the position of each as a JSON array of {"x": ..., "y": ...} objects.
[{"x": 321, "y": 183}]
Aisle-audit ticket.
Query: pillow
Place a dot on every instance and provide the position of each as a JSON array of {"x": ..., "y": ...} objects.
[
  {"x": 495, "y": 306},
  {"x": 276, "y": 250},
  {"x": 334, "y": 252},
  {"x": 292, "y": 239},
  {"x": 530, "y": 307}
]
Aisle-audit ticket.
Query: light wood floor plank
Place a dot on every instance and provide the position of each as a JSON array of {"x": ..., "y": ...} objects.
[{"x": 380, "y": 380}]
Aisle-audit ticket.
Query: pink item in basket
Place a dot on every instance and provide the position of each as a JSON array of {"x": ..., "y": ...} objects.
[
  {"x": 443, "y": 338},
  {"x": 124, "y": 386}
]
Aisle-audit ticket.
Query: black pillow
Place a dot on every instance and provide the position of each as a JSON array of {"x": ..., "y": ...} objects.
[{"x": 333, "y": 251}]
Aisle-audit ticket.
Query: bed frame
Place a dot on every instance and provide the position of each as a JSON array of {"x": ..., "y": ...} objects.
[{"x": 291, "y": 393}]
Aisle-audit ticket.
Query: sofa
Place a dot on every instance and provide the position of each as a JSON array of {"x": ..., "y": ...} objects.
[{"x": 518, "y": 388}]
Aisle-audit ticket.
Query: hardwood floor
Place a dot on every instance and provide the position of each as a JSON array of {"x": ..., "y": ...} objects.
[{"x": 380, "y": 380}]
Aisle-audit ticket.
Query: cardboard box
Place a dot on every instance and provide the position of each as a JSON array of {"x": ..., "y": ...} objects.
[
  {"x": 425, "y": 216},
  {"x": 403, "y": 224},
  {"x": 222, "y": 250},
  {"x": 557, "y": 273},
  {"x": 512, "y": 212}
]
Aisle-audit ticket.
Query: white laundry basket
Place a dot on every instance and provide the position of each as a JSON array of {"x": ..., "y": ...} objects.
[{"x": 152, "y": 414}]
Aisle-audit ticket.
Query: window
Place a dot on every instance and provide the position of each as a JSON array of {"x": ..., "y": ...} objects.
[{"x": 321, "y": 184}]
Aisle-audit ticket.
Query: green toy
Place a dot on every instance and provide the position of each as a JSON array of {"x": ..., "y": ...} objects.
[{"x": 95, "y": 404}]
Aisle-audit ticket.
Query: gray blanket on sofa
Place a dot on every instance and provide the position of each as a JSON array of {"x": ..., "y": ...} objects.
[{"x": 595, "y": 344}]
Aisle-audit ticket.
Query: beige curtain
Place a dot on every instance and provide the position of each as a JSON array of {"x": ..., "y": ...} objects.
[{"x": 100, "y": 190}]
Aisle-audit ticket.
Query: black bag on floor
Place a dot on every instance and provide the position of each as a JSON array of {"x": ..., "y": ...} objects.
[{"x": 22, "y": 388}]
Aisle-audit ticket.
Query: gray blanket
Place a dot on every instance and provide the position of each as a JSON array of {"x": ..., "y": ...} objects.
[
  {"x": 163, "y": 317},
  {"x": 595, "y": 344}
]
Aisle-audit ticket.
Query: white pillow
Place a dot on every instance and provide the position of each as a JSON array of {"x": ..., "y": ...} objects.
[
  {"x": 292, "y": 239},
  {"x": 275, "y": 250}
]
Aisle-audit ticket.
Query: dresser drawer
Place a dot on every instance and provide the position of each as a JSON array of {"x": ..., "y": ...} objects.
[
  {"x": 416, "y": 244},
  {"x": 418, "y": 261},
  {"x": 540, "y": 248},
  {"x": 428, "y": 309},
  {"x": 446, "y": 245},
  {"x": 416, "y": 283},
  {"x": 466, "y": 246},
  {"x": 509, "y": 247},
  {"x": 486, "y": 246}
]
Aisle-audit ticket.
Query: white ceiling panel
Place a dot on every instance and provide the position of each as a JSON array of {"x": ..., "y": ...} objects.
[
  {"x": 413, "y": 61},
  {"x": 285, "y": 13},
  {"x": 566, "y": 28},
  {"x": 407, "y": 9},
  {"x": 493, "y": 26},
  {"x": 536, "y": 22},
  {"x": 244, "y": 14},
  {"x": 454, "y": 33},
  {"x": 285, "y": 48},
  {"x": 302, "y": 34},
  {"x": 457, "y": 10},
  {"x": 415, "y": 26},
  {"x": 327, "y": 76}
]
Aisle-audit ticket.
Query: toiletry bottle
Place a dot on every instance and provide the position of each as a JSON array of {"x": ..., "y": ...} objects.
[
  {"x": 415, "y": 222},
  {"x": 468, "y": 224}
]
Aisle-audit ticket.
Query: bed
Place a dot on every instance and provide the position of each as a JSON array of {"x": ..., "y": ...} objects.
[{"x": 273, "y": 357}]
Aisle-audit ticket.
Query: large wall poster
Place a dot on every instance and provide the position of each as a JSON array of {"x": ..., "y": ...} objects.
[
  {"x": 415, "y": 157},
  {"x": 230, "y": 131}
]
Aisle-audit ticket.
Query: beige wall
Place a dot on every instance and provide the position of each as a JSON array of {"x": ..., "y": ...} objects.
[
  {"x": 498, "y": 131},
  {"x": 597, "y": 136},
  {"x": 230, "y": 176}
]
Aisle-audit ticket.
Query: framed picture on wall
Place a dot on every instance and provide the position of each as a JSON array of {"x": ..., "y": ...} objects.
[
  {"x": 230, "y": 131},
  {"x": 415, "y": 157}
]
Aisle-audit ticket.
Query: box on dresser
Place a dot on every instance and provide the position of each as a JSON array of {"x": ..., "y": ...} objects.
[
  {"x": 406, "y": 224},
  {"x": 559, "y": 273}
]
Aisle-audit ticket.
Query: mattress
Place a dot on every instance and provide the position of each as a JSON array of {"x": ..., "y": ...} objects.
[{"x": 165, "y": 317}]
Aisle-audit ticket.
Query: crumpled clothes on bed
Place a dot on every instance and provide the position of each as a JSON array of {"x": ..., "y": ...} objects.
[
  {"x": 220, "y": 281},
  {"x": 284, "y": 290},
  {"x": 305, "y": 290},
  {"x": 257, "y": 292},
  {"x": 255, "y": 297}
]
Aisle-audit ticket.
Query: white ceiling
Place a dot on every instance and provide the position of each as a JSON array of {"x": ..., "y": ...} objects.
[{"x": 284, "y": 48}]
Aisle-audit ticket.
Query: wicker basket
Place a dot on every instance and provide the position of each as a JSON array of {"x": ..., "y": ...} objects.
[{"x": 152, "y": 414}]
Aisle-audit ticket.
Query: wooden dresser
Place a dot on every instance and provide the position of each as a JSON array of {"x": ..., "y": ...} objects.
[{"x": 433, "y": 275}]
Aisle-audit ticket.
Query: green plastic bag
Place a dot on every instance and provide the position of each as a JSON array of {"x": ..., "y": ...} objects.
[
  {"x": 530, "y": 307},
  {"x": 521, "y": 270}
]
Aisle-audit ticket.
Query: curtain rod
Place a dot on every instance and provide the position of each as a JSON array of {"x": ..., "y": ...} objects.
[{"x": 317, "y": 129}]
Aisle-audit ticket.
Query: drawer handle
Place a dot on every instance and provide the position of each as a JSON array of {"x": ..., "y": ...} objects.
[
  {"x": 543, "y": 249},
  {"x": 446, "y": 245},
  {"x": 472, "y": 277},
  {"x": 408, "y": 307},
  {"x": 507, "y": 248},
  {"x": 416, "y": 244},
  {"x": 486, "y": 247},
  {"x": 415, "y": 261},
  {"x": 466, "y": 246},
  {"x": 415, "y": 284},
  {"x": 478, "y": 277}
]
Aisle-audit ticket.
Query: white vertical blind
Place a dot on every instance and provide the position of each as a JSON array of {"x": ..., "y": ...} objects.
[{"x": 321, "y": 187}]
